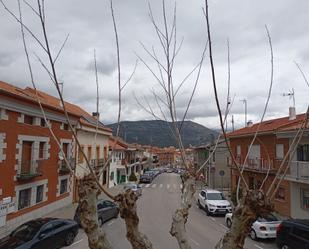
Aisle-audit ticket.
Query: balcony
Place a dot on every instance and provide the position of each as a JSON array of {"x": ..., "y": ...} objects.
[
  {"x": 259, "y": 165},
  {"x": 29, "y": 170},
  {"x": 298, "y": 171},
  {"x": 64, "y": 168}
]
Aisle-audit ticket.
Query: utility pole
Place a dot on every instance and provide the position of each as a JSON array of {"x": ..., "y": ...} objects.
[
  {"x": 233, "y": 123},
  {"x": 245, "y": 102}
]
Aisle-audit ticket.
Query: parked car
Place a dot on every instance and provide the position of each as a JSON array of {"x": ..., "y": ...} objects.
[
  {"x": 47, "y": 233},
  {"x": 293, "y": 234},
  {"x": 262, "y": 228},
  {"x": 146, "y": 178},
  {"x": 169, "y": 170},
  {"x": 134, "y": 187},
  {"x": 106, "y": 210},
  {"x": 213, "y": 202}
]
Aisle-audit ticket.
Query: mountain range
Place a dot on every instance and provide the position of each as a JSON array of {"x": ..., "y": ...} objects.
[{"x": 160, "y": 133}]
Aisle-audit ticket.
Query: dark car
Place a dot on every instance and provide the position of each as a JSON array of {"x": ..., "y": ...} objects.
[
  {"x": 146, "y": 178},
  {"x": 293, "y": 234},
  {"x": 106, "y": 210},
  {"x": 46, "y": 233}
]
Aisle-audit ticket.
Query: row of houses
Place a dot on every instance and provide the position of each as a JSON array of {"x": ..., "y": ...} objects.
[
  {"x": 34, "y": 178},
  {"x": 265, "y": 157},
  {"x": 273, "y": 142}
]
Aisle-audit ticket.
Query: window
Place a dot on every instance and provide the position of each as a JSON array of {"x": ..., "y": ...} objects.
[
  {"x": 63, "y": 186},
  {"x": 80, "y": 154},
  {"x": 65, "y": 127},
  {"x": 280, "y": 195},
  {"x": 39, "y": 193},
  {"x": 303, "y": 152},
  {"x": 24, "y": 199},
  {"x": 28, "y": 119},
  {"x": 112, "y": 176},
  {"x": 43, "y": 123},
  {"x": 304, "y": 198},
  {"x": 41, "y": 150},
  {"x": 279, "y": 151},
  {"x": 238, "y": 150},
  {"x": 89, "y": 153}
]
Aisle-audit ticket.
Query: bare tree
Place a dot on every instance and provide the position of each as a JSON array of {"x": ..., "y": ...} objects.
[
  {"x": 89, "y": 187},
  {"x": 254, "y": 203}
]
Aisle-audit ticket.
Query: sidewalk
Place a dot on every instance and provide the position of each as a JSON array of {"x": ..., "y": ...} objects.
[{"x": 69, "y": 211}]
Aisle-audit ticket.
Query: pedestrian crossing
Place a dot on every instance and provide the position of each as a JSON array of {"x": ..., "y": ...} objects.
[{"x": 161, "y": 186}]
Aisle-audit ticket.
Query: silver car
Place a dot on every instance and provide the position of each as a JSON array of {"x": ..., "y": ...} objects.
[{"x": 134, "y": 187}]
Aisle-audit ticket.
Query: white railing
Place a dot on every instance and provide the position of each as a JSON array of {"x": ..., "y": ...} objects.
[{"x": 299, "y": 170}]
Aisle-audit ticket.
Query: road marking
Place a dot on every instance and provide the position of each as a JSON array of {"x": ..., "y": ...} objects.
[
  {"x": 213, "y": 219},
  {"x": 110, "y": 223},
  {"x": 167, "y": 186},
  {"x": 258, "y": 246},
  {"x": 77, "y": 242},
  {"x": 161, "y": 185},
  {"x": 154, "y": 185},
  {"x": 195, "y": 242},
  {"x": 180, "y": 186},
  {"x": 147, "y": 186}
]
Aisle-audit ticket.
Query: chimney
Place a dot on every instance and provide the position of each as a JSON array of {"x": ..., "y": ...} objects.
[
  {"x": 249, "y": 123},
  {"x": 292, "y": 113},
  {"x": 96, "y": 115}
]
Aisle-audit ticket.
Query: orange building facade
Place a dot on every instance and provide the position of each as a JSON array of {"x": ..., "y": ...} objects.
[
  {"x": 33, "y": 177},
  {"x": 265, "y": 157}
]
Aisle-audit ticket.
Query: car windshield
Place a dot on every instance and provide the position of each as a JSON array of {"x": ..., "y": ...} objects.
[
  {"x": 268, "y": 218},
  {"x": 215, "y": 196},
  {"x": 26, "y": 232}
]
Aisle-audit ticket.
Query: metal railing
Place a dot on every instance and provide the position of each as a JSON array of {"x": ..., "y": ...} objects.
[
  {"x": 29, "y": 169},
  {"x": 255, "y": 164},
  {"x": 298, "y": 170},
  {"x": 64, "y": 168}
]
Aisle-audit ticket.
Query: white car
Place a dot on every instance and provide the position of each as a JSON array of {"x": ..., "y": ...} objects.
[
  {"x": 213, "y": 202},
  {"x": 262, "y": 228}
]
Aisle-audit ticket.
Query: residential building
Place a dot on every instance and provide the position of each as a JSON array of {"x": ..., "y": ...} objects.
[
  {"x": 93, "y": 137},
  {"x": 118, "y": 165},
  {"x": 33, "y": 178},
  {"x": 219, "y": 174},
  {"x": 167, "y": 156},
  {"x": 265, "y": 157}
]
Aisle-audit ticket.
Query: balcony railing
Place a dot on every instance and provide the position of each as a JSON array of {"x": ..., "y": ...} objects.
[
  {"x": 29, "y": 169},
  {"x": 64, "y": 168},
  {"x": 299, "y": 170},
  {"x": 254, "y": 164}
]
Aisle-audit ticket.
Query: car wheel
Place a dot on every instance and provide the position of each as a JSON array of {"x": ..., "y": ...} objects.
[
  {"x": 69, "y": 239},
  {"x": 199, "y": 204},
  {"x": 253, "y": 235},
  {"x": 207, "y": 211},
  {"x": 285, "y": 247},
  {"x": 228, "y": 223},
  {"x": 100, "y": 221}
]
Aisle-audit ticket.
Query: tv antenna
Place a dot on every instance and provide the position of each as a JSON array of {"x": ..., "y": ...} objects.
[
  {"x": 245, "y": 102},
  {"x": 291, "y": 95}
]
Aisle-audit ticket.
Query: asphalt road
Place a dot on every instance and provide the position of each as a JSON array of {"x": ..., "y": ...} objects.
[{"x": 155, "y": 208}]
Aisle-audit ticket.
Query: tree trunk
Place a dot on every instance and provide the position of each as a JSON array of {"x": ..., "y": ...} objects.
[
  {"x": 180, "y": 217},
  {"x": 252, "y": 205},
  {"x": 88, "y": 196},
  {"x": 127, "y": 208}
]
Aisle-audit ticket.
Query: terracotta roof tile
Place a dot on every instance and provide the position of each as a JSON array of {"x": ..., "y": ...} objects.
[
  {"x": 53, "y": 102},
  {"x": 267, "y": 126}
]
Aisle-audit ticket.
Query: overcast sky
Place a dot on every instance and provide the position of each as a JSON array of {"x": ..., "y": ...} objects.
[{"x": 89, "y": 25}]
